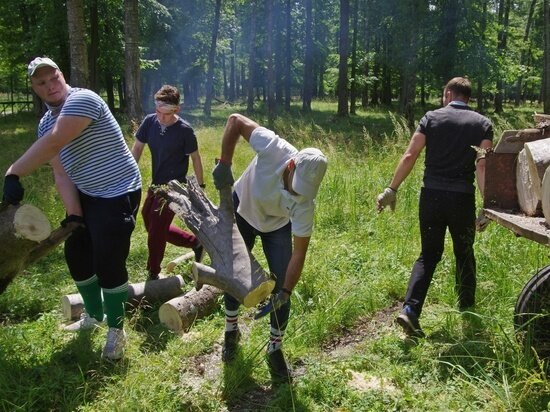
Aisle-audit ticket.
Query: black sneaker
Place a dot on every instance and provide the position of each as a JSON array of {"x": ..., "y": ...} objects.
[
  {"x": 199, "y": 253},
  {"x": 277, "y": 368},
  {"x": 408, "y": 320},
  {"x": 230, "y": 345}
]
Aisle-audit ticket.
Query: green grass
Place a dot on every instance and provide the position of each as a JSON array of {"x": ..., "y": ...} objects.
[{"x": 355, "y": 276}]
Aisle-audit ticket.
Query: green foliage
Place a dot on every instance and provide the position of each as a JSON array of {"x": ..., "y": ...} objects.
[{"x": 341, "y": 340}]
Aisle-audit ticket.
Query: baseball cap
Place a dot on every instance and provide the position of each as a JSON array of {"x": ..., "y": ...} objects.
[
  {"x": 39, "y": 62},
  {"x": 311, "y": 165}
]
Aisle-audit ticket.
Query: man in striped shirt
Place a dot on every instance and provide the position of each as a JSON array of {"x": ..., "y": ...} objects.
[{"x": 99, "y": 183}]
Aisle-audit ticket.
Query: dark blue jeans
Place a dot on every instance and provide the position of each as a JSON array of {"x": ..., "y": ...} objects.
[
  {"x": 103, "y": 246},
  {"x": 439, "y": 210},
  {"x": 277, "y": 246}
]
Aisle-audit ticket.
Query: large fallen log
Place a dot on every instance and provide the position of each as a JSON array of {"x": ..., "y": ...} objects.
[
  {"x": 139, "y": 294},
  {"x": 538, "y": 157},
  {"x": 233, "y": 268},
  {"x": 527, "y": 197},
  {"x": 545, "y": 196},
  {"x": 25, "y": 237},
  {"x": 180, "y": 313},
  {"x": 529, "y": 135}
]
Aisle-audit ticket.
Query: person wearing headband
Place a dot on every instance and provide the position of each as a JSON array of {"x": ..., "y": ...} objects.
[
  {"x": 172, "y": 142},
  {"x": 99, "y": 183},
  {"x": 274, "y": 199}
]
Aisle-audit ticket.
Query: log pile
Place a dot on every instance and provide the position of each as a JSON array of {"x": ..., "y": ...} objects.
[{"x": 532, "y": 146}]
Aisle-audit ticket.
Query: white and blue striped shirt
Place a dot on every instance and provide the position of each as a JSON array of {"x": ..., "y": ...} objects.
[{"x": 98, "y": 161}]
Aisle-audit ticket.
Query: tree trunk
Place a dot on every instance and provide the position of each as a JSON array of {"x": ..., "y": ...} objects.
[
  {"x": 131, "y": 53},
  {"x": 353, "y": 86},
  {"x": 523, "y": 56},
  {"x": 251, "y": 58},
  {"x": 270, "y": 70},
  {"x": 503, "y": 18},
  {"x": 527, "y": 197},
  {"x": 94, "y": 46},
  {"x": 25, "y": 237},
  {"x": 211, "y": 60},
  {"x": 139, "y": 294},
  {"x": 307, "y": 92},
  {"x": 538, "y": 157},
  {"x": 180, "y": 313},
  {"x": 77, "y": 43},
  {"x": 546, "y": 69},
  {"x": 232, "y": 73},
  {"x": 343, "y": 63},
  {"x": 288, "y": 65},
  {"x": 233, "y": 269}
]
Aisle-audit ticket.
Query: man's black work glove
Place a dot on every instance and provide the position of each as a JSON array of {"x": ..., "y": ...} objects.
[
  {"x": 78, "y": 221},
  {"x": 223, "y": 177},
  {"x": 275, "y": 302},
  {"x": 13, "y": 191}
]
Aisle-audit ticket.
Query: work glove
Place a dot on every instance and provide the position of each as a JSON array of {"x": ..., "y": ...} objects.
[
  {"x": 387, "y": 198},
  {"x": 275, "y": 302},
  {"x": 77, "y": 220},
  {"x": 223, "y": 177},
  {"x": 13, "y": 191},
  {"x": 482, "y": 221}
]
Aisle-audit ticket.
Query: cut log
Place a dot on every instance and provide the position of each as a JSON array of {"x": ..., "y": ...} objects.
[
  {"x": 171, "y": 266},
  {"x": 529, "y": 135},
  {"x": 180, "y": 313},
  {"x": 527, "y": 197},
  {"x": 25, "y": 237},
  {"x": 139, "y": 294},
  {"x": 545, "y": 197},
  {"x": 541, "y": 118},
  {"x": 233, "y": 269},
  {"x": 538, "y": 158},
  {"x": 505, "y": 146}
]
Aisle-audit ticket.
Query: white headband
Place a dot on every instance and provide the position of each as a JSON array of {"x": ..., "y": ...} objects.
[{"x": 164, "y": 105}]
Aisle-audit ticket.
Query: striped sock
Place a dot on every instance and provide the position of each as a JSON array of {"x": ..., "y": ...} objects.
[
  {"x": 275, "y": 340},
  {"x": 231, "y": 320},
  {"x": 115, "y": 300},
  {"x": 91, "y": 295}
]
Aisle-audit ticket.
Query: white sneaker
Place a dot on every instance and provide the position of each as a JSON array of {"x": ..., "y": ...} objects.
[
  {"x": 114, "y": 348},
  {"x": 86, "y": 322}
]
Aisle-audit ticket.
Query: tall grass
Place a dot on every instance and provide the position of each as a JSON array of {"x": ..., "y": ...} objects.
[{"x": 357, "y": 269}]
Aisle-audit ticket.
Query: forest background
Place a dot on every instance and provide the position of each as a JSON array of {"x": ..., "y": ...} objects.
[{"x": 351, "y": 77}]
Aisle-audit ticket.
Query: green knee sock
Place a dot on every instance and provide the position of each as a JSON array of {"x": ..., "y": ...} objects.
[
  {"x": 115, "y": 300},
  {"x": 91, "y": 295}
]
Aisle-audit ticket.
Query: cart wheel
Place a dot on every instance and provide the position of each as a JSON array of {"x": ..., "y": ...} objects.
[{"x": 532, "y": 314}]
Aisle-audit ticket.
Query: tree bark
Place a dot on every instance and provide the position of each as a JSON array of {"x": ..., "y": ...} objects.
[
  {"x": 343, "y": 63},
  {"x": 77, "y": 43},
  {"x": 131, "y": 65},
  {"x": 546, "y": 69},
  {"x": 139, "y": 294},
  {"x": 25, "y": 237},
  {"x": 233, "y": 269},
  {"x": 251, "y": 59},
  {"x": 503, "y": 19},
  {"x": 308, "y": 58},
  {"x": 271, "y": 109},
  {"x": 180, "y": 313},
  {"x": 288, "y": 59},
  {"x": 211, "y": 60}
]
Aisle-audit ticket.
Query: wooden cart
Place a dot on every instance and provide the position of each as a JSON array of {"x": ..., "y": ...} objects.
[{"x": 531, "y": 315}]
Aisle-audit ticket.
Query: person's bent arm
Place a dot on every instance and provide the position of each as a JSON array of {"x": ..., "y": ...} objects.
[
  {"x": 66, "y": 129},
  {"x": 480, "y": 167},
  {"x": 408, "y": 160},
  {"x": 137, "y": 150},
  {"x": 66, "y": 189},
  {"x": 296, "y": 264},
  {"x": 237, "y": 125}
]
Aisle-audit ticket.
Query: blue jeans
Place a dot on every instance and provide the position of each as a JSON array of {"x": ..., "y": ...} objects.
[{"x": 277, "y": 246}]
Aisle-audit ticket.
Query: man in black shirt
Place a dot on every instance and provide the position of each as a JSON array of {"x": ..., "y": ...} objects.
[{"x": 447, "y": 198}]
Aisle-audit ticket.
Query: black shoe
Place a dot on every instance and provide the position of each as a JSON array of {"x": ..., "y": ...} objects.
[
  {"x": 408, "y": 320},
  {"x": 153, "y": 276},
  {"x": 199, "y": 253},
  {"x": 277, "y": 367},
  {"x": 230, "y": 345}
]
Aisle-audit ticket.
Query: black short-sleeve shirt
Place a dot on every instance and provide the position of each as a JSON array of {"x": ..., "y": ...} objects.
[{"x": 450, "y": 134}]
